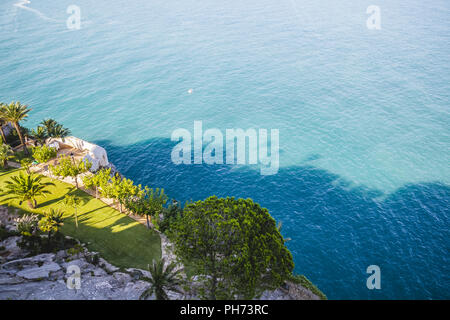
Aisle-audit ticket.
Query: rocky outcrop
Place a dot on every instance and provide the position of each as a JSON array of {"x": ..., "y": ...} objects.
[
  {"x": 95, "y": 154},
  {"x": 46, "y": 276},
  {"x": 290, "y": 291}
]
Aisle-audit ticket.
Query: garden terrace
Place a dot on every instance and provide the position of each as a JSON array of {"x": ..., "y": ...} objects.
[{"x": 118, "y": 238}]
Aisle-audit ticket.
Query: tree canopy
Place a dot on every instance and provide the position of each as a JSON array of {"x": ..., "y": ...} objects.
[
  {"x": 120, "y": 189},
  {"x": 148, "y": 202},
  {"x": 68, "y": 167},
  {"x": 98, "y": 180},
  {"x": 235, "y": 244},
  {"x": 53, "y": 129}
]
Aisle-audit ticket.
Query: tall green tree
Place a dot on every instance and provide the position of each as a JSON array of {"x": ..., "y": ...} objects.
[
  {"x": 69, "y": 167},
  {"x": 170, "y": 215},
  {"x": 148, "y": 202},
  {"x": 51, "y": 222},
  {"x": 74, "y": 202},
  {"x": 49, "y": 124},
  {"x": 54, "y": 129},
  {"x": 235, "y": 244},
  {"x": 26, "y": 187},
  {"x": 164, "y": 277},
  {"x": 14, "y": 113},
  {"x": 120, "y": 189},
  {"x": 44, "y": 153},
  {"x": 98, "y": 180},
  {"x": 123, "y": 189}
]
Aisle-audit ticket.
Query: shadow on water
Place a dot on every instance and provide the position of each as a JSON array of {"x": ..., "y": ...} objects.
[{"x": 336, "y": 231}]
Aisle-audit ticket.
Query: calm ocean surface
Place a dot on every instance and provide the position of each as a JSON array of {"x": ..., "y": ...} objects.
[{"x": 364, "y": 116}]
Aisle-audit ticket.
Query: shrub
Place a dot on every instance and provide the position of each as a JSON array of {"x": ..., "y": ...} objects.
[
  {"x": 51, "y": 222},
  {"x": 170, "y": 216},
  {"x": 32, "y": 244},
  {"x": 5, "y": 233},
  {"x": 27, "y": 227},
  {"x": 75, "y": 250},
  {"x": 44, "y": 153},
  {"x": 27, "y": 224}
]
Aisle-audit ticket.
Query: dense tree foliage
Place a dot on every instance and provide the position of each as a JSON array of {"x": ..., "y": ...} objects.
[
  {"x": 171, "y": 214},
  {"x": 53, "y": 129},
  {"x": 14, "y": 113},
  {"x": 69, "y": 167},
  {"x": 148, "y": 202},
  {"x": 44, "y": 153},
  {"x": 120, "y": 189},
  {"x": 39, "y": 135},
  {"x": 235, "y": 244}
]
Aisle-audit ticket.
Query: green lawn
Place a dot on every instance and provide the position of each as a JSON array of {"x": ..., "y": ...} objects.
[{"x": 121, "y": 240}]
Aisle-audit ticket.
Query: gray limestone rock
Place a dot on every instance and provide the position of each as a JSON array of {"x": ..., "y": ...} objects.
[{"x": 39, "y": 272}]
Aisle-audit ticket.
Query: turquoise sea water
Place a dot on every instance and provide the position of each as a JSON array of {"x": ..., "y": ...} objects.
[{"x": 363, "y": 116}]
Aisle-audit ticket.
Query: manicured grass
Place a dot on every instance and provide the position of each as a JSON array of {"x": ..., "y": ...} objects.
[{"x": 120, "y": 240}]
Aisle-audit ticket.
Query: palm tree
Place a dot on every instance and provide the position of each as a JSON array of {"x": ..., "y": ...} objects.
[
  {"x": 51, "y": 222},
  {"x": 49, "y": 124},
  {"x": 14, "y": 113},
  {"x": 148, "y": 202},
  {"x": 54, "y": 129},
  {"x": 60, "y": 132},
  {"x": 163, "y": 278},
  {"x": 5, "y": 154},
  {"x": 40, "y": 135},
  {"x": 26, "y": 187},
  {"x": 68, "y": 167}
]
